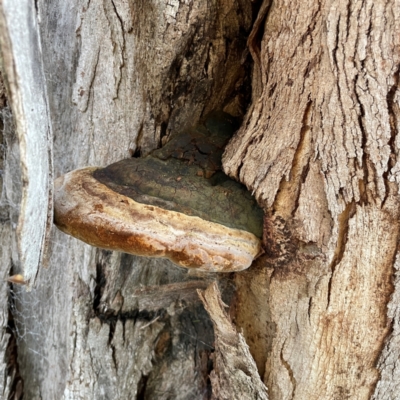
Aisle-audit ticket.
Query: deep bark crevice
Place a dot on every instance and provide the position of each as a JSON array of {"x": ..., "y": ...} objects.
[
  {"x": 280, "y": 244},
  {"x": 142, "y": 386},
  {"x": 393, "y": 109},
  {"x": 289, "y": 371},
  {"x": 363, "y": 184},
  {"x": 11, "y": 355},
  {"x": 287, "y": 198},
  {"x": 260, "y": 10},
  {"x": 343, "y": 230},
  {"x": 394, "y": 112}
]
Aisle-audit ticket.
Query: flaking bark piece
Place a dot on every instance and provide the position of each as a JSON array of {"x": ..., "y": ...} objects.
[{"x": 235, "y": 375}]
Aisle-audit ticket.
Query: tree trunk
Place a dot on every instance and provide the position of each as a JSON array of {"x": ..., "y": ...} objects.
[{"x": 318, "y": 147}]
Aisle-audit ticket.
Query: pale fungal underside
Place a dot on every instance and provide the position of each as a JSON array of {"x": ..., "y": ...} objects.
[{"x": 90, "y": 211}]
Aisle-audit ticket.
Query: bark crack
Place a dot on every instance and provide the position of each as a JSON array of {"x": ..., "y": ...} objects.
[
  {"x": 91, "y": 82},
  {"x": 289, "y": 371},
  {"x": 368, "y": 193},
  {"x": 301, "y": 159},
  {"x": 287, "y": 197},
  {"x": 110, "y": 316},
  {"x": 393, "y": 110},
  {"x": 122, "y": 50},
  {"x": 256, "y": 33},
  {"x": 11, "y": 355},
  {"x": 343, "y": 230},
  {"x": 141, "y": 387}
]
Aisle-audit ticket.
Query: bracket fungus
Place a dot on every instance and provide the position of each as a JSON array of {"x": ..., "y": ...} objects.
[{"x": 174, "y": 203}]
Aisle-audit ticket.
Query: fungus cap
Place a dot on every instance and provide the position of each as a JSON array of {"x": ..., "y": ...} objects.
[
  {"x": 175, "y": 203},
  {"x": 100, "y": 216}
]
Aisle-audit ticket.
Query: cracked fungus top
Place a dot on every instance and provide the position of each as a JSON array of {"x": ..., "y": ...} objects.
[
  {"x": 175, "y": 203},
  {"x": 178, "y": 187}
]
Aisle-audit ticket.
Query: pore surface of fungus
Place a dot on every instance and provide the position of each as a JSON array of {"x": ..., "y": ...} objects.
[{"x": 174, "y": 203}]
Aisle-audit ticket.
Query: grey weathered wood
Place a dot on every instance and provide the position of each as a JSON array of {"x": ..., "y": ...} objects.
[
  {"x": 10, "y": 197},
  {"x": 6, "y": 379},
  {"x": 22, "y": 66},
  {"x": 235, "y": 374}
]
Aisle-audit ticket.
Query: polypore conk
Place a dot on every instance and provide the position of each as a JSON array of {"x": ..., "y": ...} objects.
[{"x": 163, "y": 208}]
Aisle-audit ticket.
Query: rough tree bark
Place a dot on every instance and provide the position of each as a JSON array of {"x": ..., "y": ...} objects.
[{"x": 319, "y": 149}]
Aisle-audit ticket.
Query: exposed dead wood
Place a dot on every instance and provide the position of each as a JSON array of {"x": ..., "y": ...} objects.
[
  {"x": 19, "y": 36},
  {"x": 235, "y": 374}
]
